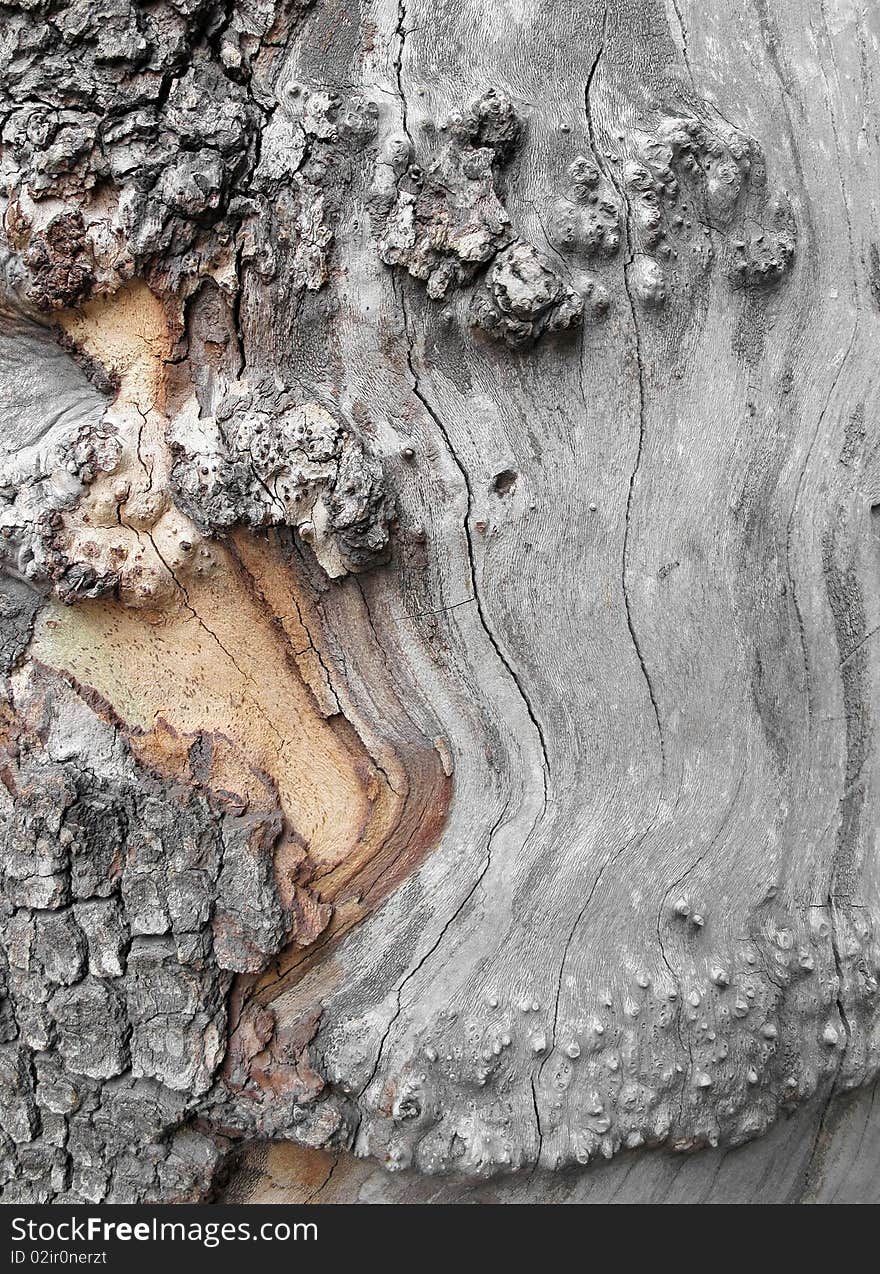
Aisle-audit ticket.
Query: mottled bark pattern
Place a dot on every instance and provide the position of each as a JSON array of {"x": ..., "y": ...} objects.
[{"x": 439, "y": 477}]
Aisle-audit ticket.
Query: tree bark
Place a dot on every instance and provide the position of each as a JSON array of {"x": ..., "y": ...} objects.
[{"x": 440, "y": 478}]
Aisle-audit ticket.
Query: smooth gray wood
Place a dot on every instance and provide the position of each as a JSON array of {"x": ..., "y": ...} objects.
[{"x": 675, "y": 704}]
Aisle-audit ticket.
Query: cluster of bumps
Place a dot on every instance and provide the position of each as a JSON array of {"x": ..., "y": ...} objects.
[
  {"x": 702, "y": 1056},
  {"x": 157, "y": 103},
  {"x": 263, "y": 459},
  {"x": 448, "y": 224},
  {"x": 688, "y": 172},
  {"x": 132, "y": 107},
  {"x": 687, "y": 179}
]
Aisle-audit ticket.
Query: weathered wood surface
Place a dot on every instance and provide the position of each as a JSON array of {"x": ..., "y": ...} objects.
[
  {"x": 819, "y": 1154},
  {"x": 529, "y": 784}
]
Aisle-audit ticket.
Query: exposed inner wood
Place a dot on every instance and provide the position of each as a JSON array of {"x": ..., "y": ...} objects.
[{"x": 229, "y": 656}]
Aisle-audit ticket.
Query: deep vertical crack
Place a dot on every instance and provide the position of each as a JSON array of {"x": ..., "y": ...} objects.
[
  {"x": 398, "y": 67},
  {"x": 435, "y": 418},
  {"x": 838, "y": 965},
  {"x": 419, "y": 394},
  {"x": 415, "y": 969},
  {"x": 521, "y": 691},
  {"x": 538, "y": 1129},
  {"x": 684, "y": 40},
  {"x": 631, "y": 255}
]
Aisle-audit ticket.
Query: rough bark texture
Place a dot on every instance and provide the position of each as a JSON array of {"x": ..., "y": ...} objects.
[{"x": 439, "y": 473}]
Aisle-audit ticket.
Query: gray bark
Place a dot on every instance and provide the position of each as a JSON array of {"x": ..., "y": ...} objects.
[
  {"x": 824, "y": 1152},
  {"x": 439, "y": 486}
]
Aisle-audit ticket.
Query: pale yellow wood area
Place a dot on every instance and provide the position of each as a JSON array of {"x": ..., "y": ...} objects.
[{"x": 219, "y": 666}]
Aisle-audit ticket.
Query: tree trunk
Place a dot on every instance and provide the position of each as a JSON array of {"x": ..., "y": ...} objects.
[{"x": 440, "y": 487}]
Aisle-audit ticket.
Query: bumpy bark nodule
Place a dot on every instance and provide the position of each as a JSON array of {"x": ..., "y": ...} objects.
[{"x": 438, "y": 487}]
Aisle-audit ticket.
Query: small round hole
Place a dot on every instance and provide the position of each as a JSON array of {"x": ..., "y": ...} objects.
[{"x": 504, "y": 482}]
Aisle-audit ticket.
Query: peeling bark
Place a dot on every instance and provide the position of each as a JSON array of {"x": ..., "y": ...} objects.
[{"x": 438, "y": 532}]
